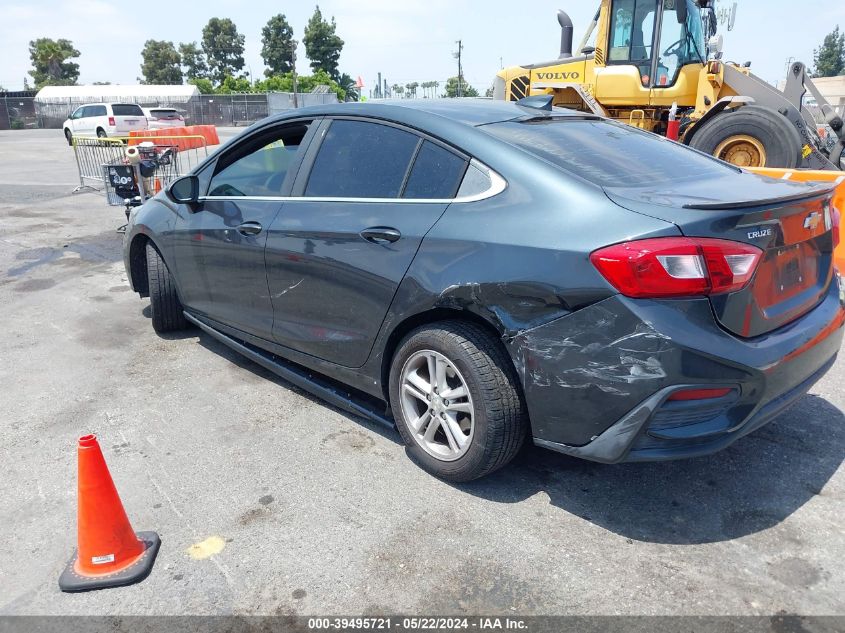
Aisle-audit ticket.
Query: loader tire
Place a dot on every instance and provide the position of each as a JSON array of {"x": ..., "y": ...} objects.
[{"x": 751, "y": 136}]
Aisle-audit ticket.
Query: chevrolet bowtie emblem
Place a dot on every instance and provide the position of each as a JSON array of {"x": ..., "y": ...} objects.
[{"x": 812, "y": 220}]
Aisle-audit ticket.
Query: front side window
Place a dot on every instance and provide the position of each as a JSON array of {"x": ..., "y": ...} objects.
[
  {"x": 360, "y": 159},
  {"x": 260, "y": 166},
  {"x": 681, "y": 43}
]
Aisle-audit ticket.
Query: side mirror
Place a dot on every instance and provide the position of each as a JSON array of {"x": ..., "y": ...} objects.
[
  {"x": 588, "y": 50},
  {"x": 185, "y": 190}
]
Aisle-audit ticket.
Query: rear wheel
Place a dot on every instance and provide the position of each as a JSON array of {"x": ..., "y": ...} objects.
[
  {"x": 101, "y": 133},
  {"x": 165, "y": 306},
  {"x": 68, "y": 136},
  {"x": 456, "y": 401},
  {"x": 751, "y": 136}
]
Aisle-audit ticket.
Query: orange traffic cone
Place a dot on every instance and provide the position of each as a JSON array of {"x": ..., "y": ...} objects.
[
  {"x": 157, "y": 185},
  {"x": 110, "y": 553}
]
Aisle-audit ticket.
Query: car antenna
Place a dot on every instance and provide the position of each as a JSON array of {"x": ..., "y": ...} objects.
[{"x": 538, "y": 102}]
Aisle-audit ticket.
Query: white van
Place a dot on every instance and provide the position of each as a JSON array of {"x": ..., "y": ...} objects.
[{"x": 104, "y": 119}]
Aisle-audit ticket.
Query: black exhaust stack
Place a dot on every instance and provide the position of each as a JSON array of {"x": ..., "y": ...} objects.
[{"x": 566, "y": 33}]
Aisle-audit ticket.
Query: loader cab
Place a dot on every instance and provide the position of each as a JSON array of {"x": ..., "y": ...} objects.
[{"x": 655, "y": 51}]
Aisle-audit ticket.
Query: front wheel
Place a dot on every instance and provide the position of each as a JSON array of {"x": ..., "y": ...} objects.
[
  {"x": 456, "y": 401},
  {"x": 166, "y": 308},
  {"x": 750, "y": 136}
]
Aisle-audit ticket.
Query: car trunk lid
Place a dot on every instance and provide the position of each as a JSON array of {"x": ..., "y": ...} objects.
[{"x": 791, "y": 223}]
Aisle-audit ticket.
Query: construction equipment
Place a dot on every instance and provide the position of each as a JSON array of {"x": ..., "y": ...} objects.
[{"x": 641, "y": 57}]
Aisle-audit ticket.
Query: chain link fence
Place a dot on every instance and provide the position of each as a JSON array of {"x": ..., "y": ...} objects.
[{"x": 226, "y": 110}]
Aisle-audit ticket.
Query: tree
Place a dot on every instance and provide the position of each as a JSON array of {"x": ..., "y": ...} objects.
[
  {"x": 398, "y": 89},
  {"x": 305, "y": 83},
  {"x": 234, "y": 84},
  {"x": 349, "y": 86},
  {"x": 162, "y": 63},
  {"x": 322, "y": 44},
  {"x": 277, "y": 46},
  {"x": 466, "y": 89},
  {"x": 193, "y": 61},
  {"x": 203, "y": 84},
  {"x": 829, "y": 58},
  {"x": 49, "y": 62},
  {"x": 223, "y": 47}
]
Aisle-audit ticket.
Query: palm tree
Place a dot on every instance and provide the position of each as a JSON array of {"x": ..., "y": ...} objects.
[
  {"x": 397, "y": 89},
  {"x": 349, "y": 85},
  {"x": 436, "y": 86}
]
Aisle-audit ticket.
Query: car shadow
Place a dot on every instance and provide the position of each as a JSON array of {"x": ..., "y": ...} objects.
[
  {"x": 216, "y": 347},
  {"x": 753, "y": 485}
]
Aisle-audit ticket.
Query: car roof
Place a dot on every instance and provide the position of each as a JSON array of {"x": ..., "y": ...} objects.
[
  {"x": 468, "y": 111},
  {"x": 93, "y": 103}
]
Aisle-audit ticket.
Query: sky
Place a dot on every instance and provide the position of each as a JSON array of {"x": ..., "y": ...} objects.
[{"x": 405, "y": 40}]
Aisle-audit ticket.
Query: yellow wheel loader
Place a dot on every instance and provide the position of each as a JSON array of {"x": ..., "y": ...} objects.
[{"x": 641, "y": 59}]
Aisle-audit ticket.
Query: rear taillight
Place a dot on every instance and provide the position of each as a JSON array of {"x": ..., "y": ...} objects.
[
  {"x": 677, "y": 266},
  {"x": 111, "y": 120},
  {"x": 181, "y": 118},
  {"x": 835, "y": 220}
]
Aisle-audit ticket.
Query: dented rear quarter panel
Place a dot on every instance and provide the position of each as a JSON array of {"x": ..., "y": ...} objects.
[{"x": 520, "y": 260}]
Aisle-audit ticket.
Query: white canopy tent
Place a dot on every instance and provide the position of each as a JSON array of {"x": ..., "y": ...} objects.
[{"x": 140, "y": 93}]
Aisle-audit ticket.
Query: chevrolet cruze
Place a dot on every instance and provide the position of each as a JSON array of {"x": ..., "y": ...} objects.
[{"x": 482, "y": 274}]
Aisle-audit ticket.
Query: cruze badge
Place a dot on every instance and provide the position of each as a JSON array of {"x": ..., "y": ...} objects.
[
  {"x": 753, "y": 235},
  {"x": 812, "y": 220}
]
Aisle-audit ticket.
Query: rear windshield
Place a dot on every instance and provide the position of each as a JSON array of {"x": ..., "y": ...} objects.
[
  {"x": 127, "y": 109},
  {"x": 606, "y": 153},
  {"x": 162, "y": 112}
]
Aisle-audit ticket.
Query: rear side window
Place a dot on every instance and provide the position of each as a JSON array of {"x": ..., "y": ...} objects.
[
  {"x": 126, "y": 109},
  {"x": 608, "y": 154},
  {"x": 359, "y": 159},
  {"x": 436, "y": 173},
  {"x": 98, "y": 111}
]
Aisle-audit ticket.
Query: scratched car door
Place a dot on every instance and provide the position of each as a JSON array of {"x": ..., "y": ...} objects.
[{"x": 337, "y": 253}]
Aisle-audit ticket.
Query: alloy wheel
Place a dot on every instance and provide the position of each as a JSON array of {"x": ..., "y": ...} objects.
[{"x": 437, "y": 405}]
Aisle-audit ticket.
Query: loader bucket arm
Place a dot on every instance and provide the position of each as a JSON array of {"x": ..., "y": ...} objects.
[{"x": 789, "y": 104}]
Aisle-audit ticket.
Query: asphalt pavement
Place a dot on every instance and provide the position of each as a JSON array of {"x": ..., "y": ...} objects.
[{"x": 268, "y": 501}]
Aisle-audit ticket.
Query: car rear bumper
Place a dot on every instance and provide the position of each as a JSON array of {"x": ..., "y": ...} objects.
[{"x": 597, "y": 382}]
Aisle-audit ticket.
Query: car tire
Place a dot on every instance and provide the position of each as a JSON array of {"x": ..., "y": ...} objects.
[
  {"x": 494, "y": 429},
  {"x": 165, "y": 306},
  {"x": 753, "y": 127},
  {"x": 101, "y": 133},
  {"x": 69, "y": 137}
]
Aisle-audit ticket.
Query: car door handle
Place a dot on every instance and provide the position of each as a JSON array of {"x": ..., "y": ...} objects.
[
  {"x": 380, "y": 234},
  {"x": 249, "y": 228}
]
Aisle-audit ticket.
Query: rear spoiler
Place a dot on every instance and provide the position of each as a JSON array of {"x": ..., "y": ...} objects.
[{"x": 817, "y": 191}]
